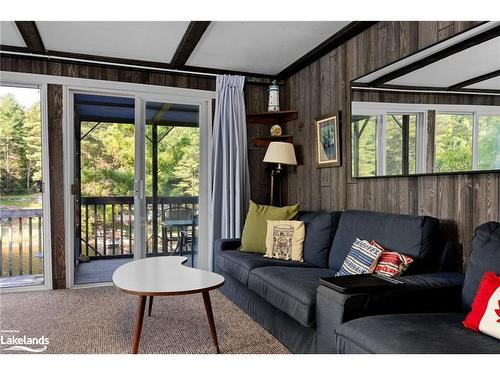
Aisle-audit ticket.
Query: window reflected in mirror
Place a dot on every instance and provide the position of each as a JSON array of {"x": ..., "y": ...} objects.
[
  {"x": 488, "y": 143},
  {"x": 364, "y": 145},
  {"x": 396, "y": 139},
  {"x": 453, "y": 142}
]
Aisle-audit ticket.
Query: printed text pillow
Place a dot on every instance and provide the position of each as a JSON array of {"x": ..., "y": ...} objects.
[
  {"x": 285, "y": 239},
  {"x": 391, "y": 263},
  {"x": 485, "y": 313},
  {"x": 361, "y": 259}
]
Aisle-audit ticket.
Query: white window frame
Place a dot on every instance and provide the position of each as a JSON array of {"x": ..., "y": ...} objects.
[
  {"x": 382, "y": 110},
  {"x": 475, "y": 112},
  {"x": 7, "y": 80},
  {"x": 141, "y": 98}
]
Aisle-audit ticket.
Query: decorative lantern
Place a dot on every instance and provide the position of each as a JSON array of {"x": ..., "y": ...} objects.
[{"x": 274, "y": 97}]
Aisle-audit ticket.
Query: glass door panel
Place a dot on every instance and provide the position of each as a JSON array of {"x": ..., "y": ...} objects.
[
  {"x": 104, "y": 185},
  {"x": 172, "y": 179},
  {"x": 21, "y": 203}
]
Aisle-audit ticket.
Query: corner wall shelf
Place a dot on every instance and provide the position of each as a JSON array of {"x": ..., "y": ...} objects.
[
  {"x": 272, "y": 117},
  {"x": 264, "y": 141}
]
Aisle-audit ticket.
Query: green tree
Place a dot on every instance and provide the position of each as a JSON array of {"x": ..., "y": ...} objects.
[
  {"x": 33, "y": 128},
  {"x": 453, "y": 143},
  {"x": 13, "y": 162},
  {"x": 187, "y": 170},
  {"x": 489, "y": 142}
]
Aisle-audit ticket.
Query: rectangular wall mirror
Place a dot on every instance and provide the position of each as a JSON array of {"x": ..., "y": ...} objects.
[{"x": 436, "y": 113}]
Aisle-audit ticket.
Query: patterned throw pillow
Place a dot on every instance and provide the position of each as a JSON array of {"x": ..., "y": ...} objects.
[
  {"x": 361, "y": 259},
  {"x": 485, "y": 313},
  {"x": 391, "y": 263},
  {"x": 285, "y": 239}
]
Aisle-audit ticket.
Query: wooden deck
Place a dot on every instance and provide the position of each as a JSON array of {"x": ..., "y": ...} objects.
[
  {"x": 98, "y": 270},
  {"x": 22, "y": 280},
  {"x": 101, "y": 270}
]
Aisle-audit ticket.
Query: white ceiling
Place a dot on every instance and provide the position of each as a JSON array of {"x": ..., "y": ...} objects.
[
  {"x": 472, "y": 62},
  {"x": 253, "y": 46},
  {"x": 10, "y": 35},
  {"x": 149, "y": 41},
  {"x": 489, "y": 84},
  {"x": 259, "y": 47}
]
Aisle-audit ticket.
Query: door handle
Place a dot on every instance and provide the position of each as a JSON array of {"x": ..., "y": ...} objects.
[{"x": 139, "y": 188}]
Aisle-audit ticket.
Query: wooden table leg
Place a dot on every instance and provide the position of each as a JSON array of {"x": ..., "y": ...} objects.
[
  {"x": 139, "y": 318},
  {"x": 210, "y": 315},
  {"x": 150, "y": 306}
]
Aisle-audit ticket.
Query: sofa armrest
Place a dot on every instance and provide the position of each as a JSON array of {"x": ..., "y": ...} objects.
[
  {"x": 332, "y": 309},
  {"x": 227, "y": 244},
  {"x": 432, "y": 292},
  {"x": 436, "y": 292}
]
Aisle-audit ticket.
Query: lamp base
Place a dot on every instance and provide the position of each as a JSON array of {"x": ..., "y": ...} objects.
[{"x": 274, "y": 172}]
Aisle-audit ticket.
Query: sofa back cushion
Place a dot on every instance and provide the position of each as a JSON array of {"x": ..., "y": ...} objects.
[
  {"x": 320, "y": 229},
  {"x": 485, "y": 257},
  {"x": 414, "y": 236}
]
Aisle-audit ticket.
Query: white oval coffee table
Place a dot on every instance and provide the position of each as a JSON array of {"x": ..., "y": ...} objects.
[{"x": 165, "y": 276}]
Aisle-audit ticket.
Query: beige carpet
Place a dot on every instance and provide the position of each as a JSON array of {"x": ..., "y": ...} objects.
[{"x": 100, "y": 320}]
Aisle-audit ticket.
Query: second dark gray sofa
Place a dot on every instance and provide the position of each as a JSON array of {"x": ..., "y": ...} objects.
[{"x": 437, "y": 333}]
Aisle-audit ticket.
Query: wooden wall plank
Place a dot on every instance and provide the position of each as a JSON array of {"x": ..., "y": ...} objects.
[{"x": 461, "y": 202}]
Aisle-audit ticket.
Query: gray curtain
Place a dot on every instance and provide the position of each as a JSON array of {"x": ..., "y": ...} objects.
[{"x": 231, "y": 181}]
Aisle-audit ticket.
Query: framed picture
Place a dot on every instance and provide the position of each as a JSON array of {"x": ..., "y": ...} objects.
[{"x": 328, "y": 152}]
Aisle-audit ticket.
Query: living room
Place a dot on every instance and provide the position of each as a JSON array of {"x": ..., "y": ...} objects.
[{"x": 262, "y": 185}]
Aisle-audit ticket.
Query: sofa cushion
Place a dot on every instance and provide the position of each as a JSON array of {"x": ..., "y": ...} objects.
[
  {"x": 253, "y": 237},
  {"x": 292, "y": 290},
  {"x": 285, "y": 240},
  {"x": 485, "y": 309},
  {"x": 485, "y": 257},
  {"x": 414, "y": 236},
  {"x": 320, "y": 229},
  {"x": 239, "y": 264},
  {"x": 412, "y": 334}
]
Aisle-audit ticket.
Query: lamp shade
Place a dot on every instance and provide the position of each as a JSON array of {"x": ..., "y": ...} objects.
[{"x": 280, "y": 153}]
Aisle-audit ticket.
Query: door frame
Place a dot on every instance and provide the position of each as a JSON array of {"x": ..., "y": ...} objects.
[
  {"x": 27, "y": 82},
  {"x": 167, "y": 94}
]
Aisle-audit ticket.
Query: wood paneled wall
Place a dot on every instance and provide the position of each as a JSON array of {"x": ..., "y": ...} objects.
[
  {"x": 256, "y": 101},
  {"x": 461, "y": 202}
]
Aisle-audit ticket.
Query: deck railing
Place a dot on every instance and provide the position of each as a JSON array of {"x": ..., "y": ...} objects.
[
  {"x": 107, "y": 225},
  {"x": 21, "y": 250},
  {"x": 106, "y": 230}
]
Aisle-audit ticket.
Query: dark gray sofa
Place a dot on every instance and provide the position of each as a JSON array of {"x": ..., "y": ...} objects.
[
  {"x": 431, "y": 332},
  {"x": 285, "y": 297}
]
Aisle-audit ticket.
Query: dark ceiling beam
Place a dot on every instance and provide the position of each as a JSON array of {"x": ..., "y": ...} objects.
[
  {"x": 456, "y": 48},
  {"x": 339, "y": 38},
  {"x": 423, "y": 89},
  {"x": 474, "y": 80},
  {"x": 31, "y": 36},
  {"x": 188, "y": 43}
]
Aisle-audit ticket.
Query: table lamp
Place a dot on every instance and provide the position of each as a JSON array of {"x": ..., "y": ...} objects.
[{"x": 279, "y": 153}]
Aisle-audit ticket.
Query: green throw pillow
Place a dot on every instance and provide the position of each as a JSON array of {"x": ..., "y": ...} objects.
[{"x": 253, "y": 239}]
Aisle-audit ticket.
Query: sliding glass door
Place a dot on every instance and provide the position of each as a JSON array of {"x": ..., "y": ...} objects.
[
  {"x": 136, "y": 184},
  {"x": 104, "y": 206}
]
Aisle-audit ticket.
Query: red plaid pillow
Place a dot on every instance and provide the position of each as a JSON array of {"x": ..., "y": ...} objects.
[
  {"x": 485, "y": 314},
  {"x": 391, "y": 263}
]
